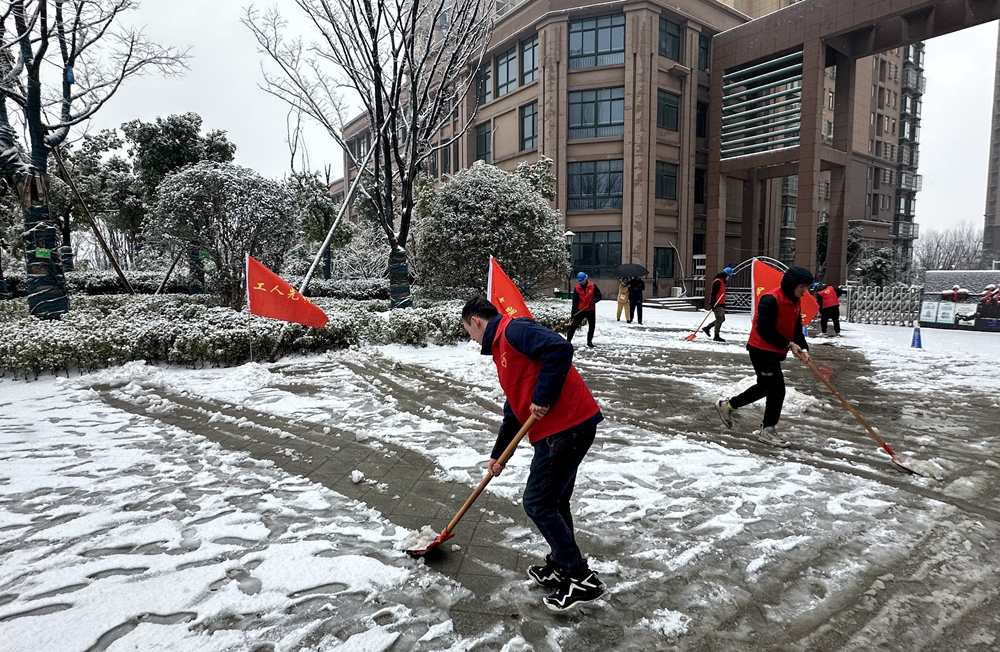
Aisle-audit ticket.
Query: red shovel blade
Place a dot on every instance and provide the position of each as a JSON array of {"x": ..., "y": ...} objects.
[{"x": 441, "y": 538}]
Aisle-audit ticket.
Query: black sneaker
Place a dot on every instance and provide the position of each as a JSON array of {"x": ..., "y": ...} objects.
[
  {"x": 575, "y": 591},
  {"x": 590, "y": 344},
  {"x": 708, "y": 331},
  {"x": 546, "y": 575},
  {"x": 718, "y": 339}
]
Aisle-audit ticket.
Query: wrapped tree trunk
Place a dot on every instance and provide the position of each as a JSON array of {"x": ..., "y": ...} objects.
[
  {"x": 47, "y": 297},
  {"x": 399, "y": 279}
]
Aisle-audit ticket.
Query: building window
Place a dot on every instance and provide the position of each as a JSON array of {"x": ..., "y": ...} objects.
[
  {"x": 700, "y": 185},
  {"x": 701, "y": 121},
  {"x": 597, "y": 41},
  {"x": 829, "y": 100},
  {"x": 529, "y": 125},
  {"x": 446, "y": 160},
  {"x": 484, "y": 145},
  {"x": 434, "y": 164},
  {"x": 594, "y": 185},
  {"x": 597, "y": 253},
  {"x": 670, "y": 40},
  {"x": 663, "y": 262},
  {"x": 597, "y": 114},
  {"x": 529, "y": 60},
  {"x": 506, "y": 72},
  {"x": 484, "y": 84},
  {"x": 666, "y": 110},
  {"x": 704, "y": 51},
  {"x": 666, "y": 180},
  {"x": 874, "y": 203}
]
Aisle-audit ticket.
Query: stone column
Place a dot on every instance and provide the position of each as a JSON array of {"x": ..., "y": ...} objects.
[
  {"x": 840, "y": 177},
  {"x": 810, "y": 143}
]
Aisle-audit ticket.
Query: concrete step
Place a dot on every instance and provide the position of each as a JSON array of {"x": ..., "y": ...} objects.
[{"x": 669, "y": 303}]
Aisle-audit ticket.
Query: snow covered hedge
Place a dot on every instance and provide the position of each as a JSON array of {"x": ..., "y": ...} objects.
[
  {"x": 194, "y": 330},
  {"x": 98, "y": 282}
]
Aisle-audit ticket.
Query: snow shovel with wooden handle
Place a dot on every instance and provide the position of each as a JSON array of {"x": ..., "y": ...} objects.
[
  {"x": 898, "y": 460},
  {"x": 693, "y": 335},
  {"x": 447, "y": 532}
]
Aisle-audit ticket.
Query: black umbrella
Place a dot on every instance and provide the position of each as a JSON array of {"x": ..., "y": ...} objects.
[{"x": 631, "y": 269}]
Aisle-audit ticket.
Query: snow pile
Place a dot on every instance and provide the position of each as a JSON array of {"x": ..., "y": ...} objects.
[{"x": 418, "y": 540}]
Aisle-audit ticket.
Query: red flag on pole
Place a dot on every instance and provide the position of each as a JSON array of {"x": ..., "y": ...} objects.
[
  {"x": 270, "y": 296},
  {"x": 765, "y": 278},
  {"x": 504, "y": 294}
]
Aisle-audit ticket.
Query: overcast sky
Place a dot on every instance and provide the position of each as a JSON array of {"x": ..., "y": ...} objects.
[{"x": 223, "y": 87}]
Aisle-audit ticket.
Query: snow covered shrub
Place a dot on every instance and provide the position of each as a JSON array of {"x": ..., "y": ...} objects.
[
  {"x": 226, "y": 211},
  {"x": 483, "y": 211}
]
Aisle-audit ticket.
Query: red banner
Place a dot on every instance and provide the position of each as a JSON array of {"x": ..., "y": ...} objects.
[
  {"x": 504, "y": 294},
  {"x": 270, "y": 296},
  {"x": 765, "y": 278}
]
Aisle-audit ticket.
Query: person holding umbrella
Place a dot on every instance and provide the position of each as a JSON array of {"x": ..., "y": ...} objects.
[
  {"x": 636, "y": 286},
  {"x": 585, "y": 297},
  {"x": 718, "y": 302}
]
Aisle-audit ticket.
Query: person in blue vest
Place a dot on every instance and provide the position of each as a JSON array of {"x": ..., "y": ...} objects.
[
  {"x": 776, "y": 330},
  {"x": 718, "y": 302},
  {"x": 585, "y": 297},
  {"x": 536, "y": 372}
]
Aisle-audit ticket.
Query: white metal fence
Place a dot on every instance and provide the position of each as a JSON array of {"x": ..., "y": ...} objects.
[{"x": 894, "y": 306}]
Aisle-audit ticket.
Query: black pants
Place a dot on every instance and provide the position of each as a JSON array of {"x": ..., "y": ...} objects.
[
  {"x": 826, "y": 314},
  {"x": 770, "y": 384},
  {"x": 549, "y": 489},
  {"x": 578, "y": 320},
  {"x": 634, "y": 304}
]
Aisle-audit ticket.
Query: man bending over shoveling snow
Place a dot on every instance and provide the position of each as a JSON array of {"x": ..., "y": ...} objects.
[{"x": 536, "y": 371}]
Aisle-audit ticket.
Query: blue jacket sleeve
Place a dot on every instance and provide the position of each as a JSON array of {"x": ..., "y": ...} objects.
[
  {"x": 597, "y": 293},
  {"x": 556, "y": 354}
]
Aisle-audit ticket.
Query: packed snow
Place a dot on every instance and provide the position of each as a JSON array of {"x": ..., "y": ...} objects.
[{"x": 120, "y": 531}]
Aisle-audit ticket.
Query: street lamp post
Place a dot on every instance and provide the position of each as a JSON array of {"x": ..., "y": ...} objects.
[{"x": 569, "y": 255}]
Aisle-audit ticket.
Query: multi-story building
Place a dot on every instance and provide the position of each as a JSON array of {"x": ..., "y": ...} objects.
[
  {"x": 616, "y": 93},
  {"x": 991, "y": 230}
]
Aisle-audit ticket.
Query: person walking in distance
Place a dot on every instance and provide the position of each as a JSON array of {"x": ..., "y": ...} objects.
[
  {"x": 536, "y": 372},
  {"x": 776, "y": 329},
  {"x": 718, "y": 302},
  {"x": 622, "y": 300},
  {"x": 636, "y": 286},
  {"x": 585, "y": 296},
  {"x": 828, "y": 297}
]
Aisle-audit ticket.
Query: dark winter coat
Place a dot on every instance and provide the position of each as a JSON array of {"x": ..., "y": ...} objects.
[
  {"x": 717, "y": 284},
  {"x": 635, "y": 289}
]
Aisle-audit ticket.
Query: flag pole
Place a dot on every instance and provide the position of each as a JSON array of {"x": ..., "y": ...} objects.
[
  {"x": 249, "y": 314},
  {"x": 326, "y": 242}
]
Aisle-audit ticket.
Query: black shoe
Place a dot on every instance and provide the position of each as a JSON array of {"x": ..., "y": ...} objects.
[
  {"x": 575, "y": 591},
  {"x": 718, "y": 339},
  {"x": 708, "y": 331},
  {"x": 590, "y": 344},
  {"x": 546, "y": 575}
]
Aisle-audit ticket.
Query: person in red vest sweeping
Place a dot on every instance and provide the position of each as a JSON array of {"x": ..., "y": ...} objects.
[
  {"x": 718, "y": 302},
  {"x": 829, "y": 306},
  {"x": 777, "y": 328},
  {"x": 585, "y": 297},
  {"x": 536, "y": 372}
]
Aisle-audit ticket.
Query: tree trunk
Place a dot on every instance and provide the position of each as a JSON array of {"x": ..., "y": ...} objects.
[
  {"x": 66, "y": 250},
  {"x": 326, "y": 264},
  {"x": 47, "y": 298},
  {"x": 399, "y": 280},
  {"x": 197, "y": 285}
]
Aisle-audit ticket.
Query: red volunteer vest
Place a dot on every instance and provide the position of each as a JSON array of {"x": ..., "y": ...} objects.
[
  {"x": 586, "y": 297},
  {"x": 788, "y": 314},
  {"x": 829, "y": 295},
  {"x": 518, "y": 375},
  {"x": 721, "y": 299}
]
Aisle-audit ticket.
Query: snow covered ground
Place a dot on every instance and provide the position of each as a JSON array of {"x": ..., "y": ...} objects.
[{"x": 121, "y": 532}]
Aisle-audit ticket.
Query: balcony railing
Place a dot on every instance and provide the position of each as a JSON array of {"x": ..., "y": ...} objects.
[{"x": 905, "y": 230}]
